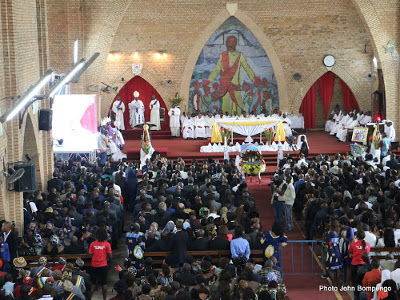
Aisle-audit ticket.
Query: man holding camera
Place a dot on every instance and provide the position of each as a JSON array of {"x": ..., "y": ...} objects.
[
  {"x": 283, "y": 200},
  {"x": 278, "y": 188}
]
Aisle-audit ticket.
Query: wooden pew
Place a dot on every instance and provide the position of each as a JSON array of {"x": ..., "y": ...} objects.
[
  {"x": 33, "y": 260},
  {"x": 158, "y": 257}
]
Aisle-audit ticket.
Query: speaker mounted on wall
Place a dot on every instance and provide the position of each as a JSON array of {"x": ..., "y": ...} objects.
[
  {"x": 27, "y": 182},
  {"x": 45, "y": 119}
]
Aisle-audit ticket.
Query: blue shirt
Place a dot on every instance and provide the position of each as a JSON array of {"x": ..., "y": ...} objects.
[
  {"x": 240, "y": 246},
  {"x": 297, "y": 183}
]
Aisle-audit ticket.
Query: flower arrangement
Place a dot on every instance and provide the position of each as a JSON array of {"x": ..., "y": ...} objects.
[
  {"x": 252, "y": 162},
  {"x": 269, "y": 134},
  {"x": 357, "y": 150},
  {"x": 176, "y": 100},
  {"x": 375, "y": 140},
  {"x": 225, "y": 133}
]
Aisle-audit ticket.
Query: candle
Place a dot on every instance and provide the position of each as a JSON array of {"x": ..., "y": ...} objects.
[
  {"x": 232, "y": 136},
  {"x": 225, "y": 140}
]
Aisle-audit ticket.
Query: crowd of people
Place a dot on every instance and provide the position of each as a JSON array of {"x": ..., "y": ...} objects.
[
  {"x": 176, "y": 207},
  {"x": 342, "y": 122},
  {"x": 353, "y": 203}
]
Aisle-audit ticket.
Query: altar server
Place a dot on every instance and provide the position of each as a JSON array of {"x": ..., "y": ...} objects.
[
  {"x": 174, "y": 122},
  {"x": 389, "y": 130},
  {"x": 155, "y": 113},
  {"x": 119, "y": 108},
  {"x": 209, "y": 124}
]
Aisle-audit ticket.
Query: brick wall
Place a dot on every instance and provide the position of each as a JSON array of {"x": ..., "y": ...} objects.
[{"x": 23, "y": 60}]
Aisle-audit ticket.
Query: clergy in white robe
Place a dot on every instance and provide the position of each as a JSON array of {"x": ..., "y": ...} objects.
[
  {"x": 183, "y": 118},
  {"x": 209, "y": 124},
  {"x": 350, "y": 125},
  {"x": 286, "y": 125},
  {"x": 343, "y": 127},
  {"x": 119, "y": 108},
  {"x": 199, "y": 127},
  {"x": 339, "y": 123},
  {"x": 155, "y": 113},
  {"x": 366, "y": 119},
  {"x": 390, "y": 131},
  {"x": 136, "y": 111},
  {"x": 188, "y": 128},
  {"x": 174, "y": 120},
  {"x": 330, "y": 123}
]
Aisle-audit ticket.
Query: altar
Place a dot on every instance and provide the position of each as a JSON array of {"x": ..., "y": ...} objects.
[{"x": 247, "y": 127}]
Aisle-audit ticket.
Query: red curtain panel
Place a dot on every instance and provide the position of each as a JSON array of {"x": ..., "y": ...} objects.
[
  {"x": 326, "y": 83},
  {"x": 146, "y": 91},
  {"x": 349, "y": 100},
  {"x": 308, "y": 105}
]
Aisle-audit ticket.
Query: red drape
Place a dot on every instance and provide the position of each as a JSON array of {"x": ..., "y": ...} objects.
[
  {"x": 349, "y": 100},
  {"x": 146, "y": 91},
  {"x": 326, "y": 83},
  {"x": 307, "y": 107}
]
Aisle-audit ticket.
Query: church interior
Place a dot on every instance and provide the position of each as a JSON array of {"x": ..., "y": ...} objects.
[{"x": 160, "y": 47}]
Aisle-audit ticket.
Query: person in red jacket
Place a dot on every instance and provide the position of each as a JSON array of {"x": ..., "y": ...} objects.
[
  {"x": 100, "y": 251},
  {"x": 355, "y": 251}
]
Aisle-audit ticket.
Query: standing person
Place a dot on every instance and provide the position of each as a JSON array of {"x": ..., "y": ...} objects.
[
  {"x": 209, "y": 124},
  {"x": 347, "y": 236},
  {"x": 271, "y": 241},
  {"x": 334, "y": 257},
  {"x": 134, "y": 246},
  {"x": 304, "y": 146},
  {"x": 228, "y": 67},
  {"x": 11, "y": 238},
  {"x": 155, "y": 113},
  {"x": 5, "y": 256},
  {"x": 136, "y": 111},
  {"x": 239, "y": 246},
  {"x": 355, "y": 252},
  {"x": 179, "y": 244},
  {"x": 277, "y": 199},
  {"x": 174, "y": 115},
  {"x": 389, "y": 130},
  {"x": 100, "y": 250},
  {"x": 289, "y": 197},
  {"x": 119, "y": 108},
  {"x": 385, "y": 145},
  {"x": 102, "y": 145}
]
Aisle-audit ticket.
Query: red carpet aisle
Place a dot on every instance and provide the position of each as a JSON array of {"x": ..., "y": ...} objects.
[{"x": 298, "y": 286}]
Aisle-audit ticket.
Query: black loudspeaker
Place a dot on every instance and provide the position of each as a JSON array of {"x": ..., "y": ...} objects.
[
  {"x": 45, "y": 119},
  {"x": 27, "y": 182}
]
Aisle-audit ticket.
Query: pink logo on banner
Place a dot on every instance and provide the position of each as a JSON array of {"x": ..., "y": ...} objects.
[{"x": 89, "y": 118}]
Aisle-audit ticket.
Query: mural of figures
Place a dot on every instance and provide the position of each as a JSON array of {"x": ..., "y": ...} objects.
[{"x": 233, "y": 74}]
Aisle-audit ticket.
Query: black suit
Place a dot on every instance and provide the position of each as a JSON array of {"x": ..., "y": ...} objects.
[
  {"x": 12, "y": 241},
  {"x": 219, "y": 244},
  {"x": 179, "y": 243},
  {"x": 200, "y": 244},
  {"x": 55, "y": 183}
]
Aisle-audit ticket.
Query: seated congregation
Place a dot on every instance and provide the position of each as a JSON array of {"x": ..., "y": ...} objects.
[{"x": 175, "y": 207}]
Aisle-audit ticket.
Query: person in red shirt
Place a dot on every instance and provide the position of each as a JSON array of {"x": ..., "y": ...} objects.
[
  {"x": 100, "y": 251},
  {"x": 355, "y": 251},
  {"x": 371, "y": 279}
]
